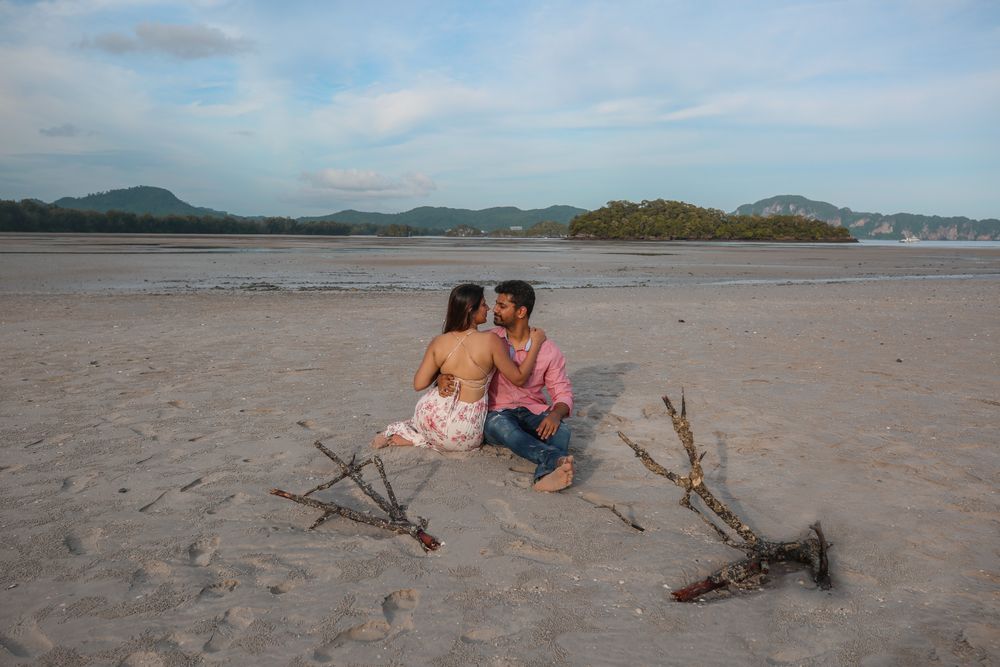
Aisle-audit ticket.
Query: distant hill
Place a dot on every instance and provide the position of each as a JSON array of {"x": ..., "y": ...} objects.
[
  {"x": 140, "y": 199},
  {"x": 439, "y": 217},
  {"x": 877, "y": 225}
]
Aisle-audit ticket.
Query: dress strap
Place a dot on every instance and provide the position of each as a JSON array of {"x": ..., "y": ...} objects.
[{"x": 460, "y": 344}]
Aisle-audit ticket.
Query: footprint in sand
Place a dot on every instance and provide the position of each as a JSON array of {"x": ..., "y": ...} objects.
[
  {"x": 397, "y": 612},
  {"x": 237, "y": 498},
  {"x": 142, "y": 659},
  {"x": 77, "y": 483},
  {"x": 235, "y": 620},
  {"x": 145, "y": 430},
  {"x": 200, "y": 553},
  {"x": 611, "y": 420},
  {"x": 508, "y": 520},
  {"x": 219, "y": 588},
  {"x": 398, "y": 608},
  {"x": 482, "y": 636},
  {"x": 369, "y": 631},
  {"x": 149, "y": 576},
  {"x": 80, "y": 543},
  {"x": 282, "y": 587},
  {"x": 183, "y": 405},
  {"x": 25, "y": 639},
  {"x": 652, "y": 410},
  {"x": 536, "y": 552}
]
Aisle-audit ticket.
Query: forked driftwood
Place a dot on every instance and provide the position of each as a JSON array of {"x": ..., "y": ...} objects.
[
  {"x": 759, "y": 553},
  {"x": 397, "y": 521}
]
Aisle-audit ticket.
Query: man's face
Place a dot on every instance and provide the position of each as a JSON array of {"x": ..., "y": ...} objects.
[{"x": 505, "y": 312}]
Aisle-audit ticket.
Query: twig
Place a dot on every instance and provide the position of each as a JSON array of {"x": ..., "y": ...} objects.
[
  {"x": 622, "y": 517},
  {"x": 327, "y": 485}
]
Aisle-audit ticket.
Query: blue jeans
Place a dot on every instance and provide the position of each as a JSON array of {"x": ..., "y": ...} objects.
[{"x": 514, "y": 428}]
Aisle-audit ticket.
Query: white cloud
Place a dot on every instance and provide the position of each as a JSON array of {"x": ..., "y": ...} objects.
[
  {"x": 367, "y": 184},
  {"x": 186, "y": 42},
  {"x": 377, "y": 112}
]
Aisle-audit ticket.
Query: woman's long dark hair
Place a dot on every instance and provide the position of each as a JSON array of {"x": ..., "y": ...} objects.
[{"x": 463, "y": 302}]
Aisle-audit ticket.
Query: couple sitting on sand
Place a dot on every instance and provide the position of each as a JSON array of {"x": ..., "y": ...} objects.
[{"x": 473, "y": 402}]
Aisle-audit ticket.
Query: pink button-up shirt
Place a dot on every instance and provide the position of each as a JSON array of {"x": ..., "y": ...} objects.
[{"x": 549, "y": 372}]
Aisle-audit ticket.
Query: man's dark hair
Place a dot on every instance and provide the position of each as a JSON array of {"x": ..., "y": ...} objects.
[
  {"x": 462, "y": 304},
  {"x": 520, "y": 292}
]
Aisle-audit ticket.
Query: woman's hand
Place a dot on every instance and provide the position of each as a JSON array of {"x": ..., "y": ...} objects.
[{"x": 537, "y": 336}]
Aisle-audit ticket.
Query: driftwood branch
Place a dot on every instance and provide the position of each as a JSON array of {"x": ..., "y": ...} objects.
[
  {"x": 614, "y": 510},
  {"x": 397, "y": 520},
  {"x": 759, "y": 552}
]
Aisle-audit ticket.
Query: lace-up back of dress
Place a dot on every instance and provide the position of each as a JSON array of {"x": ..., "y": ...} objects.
[{"x": 476, "y": 386}]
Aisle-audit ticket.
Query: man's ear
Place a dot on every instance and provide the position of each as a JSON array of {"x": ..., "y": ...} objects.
[{"x": 521, "y": 312}]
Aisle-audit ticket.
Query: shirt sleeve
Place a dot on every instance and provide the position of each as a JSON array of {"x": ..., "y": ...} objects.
[{"x": 556, "y": 381}]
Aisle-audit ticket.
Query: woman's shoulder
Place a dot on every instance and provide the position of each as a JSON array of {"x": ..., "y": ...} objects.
[
  {"x": 442, "y": 339},
  {"x": 486, "y": 337}
]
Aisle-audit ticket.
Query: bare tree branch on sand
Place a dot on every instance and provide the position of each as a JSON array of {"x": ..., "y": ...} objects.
[
  {"x": 759, "y": 553},
  {"x": 397, "y": 520}
]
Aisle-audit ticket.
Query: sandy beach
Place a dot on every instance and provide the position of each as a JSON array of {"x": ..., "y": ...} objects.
[{"x": 153, "y": 389}]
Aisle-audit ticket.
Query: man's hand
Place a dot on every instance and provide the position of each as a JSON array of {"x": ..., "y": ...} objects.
[
  {"x": 446, "y": 384},
  {"x": 548, "y": 426}
]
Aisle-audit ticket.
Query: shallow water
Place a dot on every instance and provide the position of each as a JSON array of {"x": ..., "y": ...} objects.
[{"x": 54, "y": 263}]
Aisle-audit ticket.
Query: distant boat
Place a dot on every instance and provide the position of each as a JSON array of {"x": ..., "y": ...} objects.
[{"x": 909, "y": 239}]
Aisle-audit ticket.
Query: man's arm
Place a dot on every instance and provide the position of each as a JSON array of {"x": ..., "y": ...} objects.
[
  {"x": 561, "y": 390},
  {"x": 446, "y": 384}
]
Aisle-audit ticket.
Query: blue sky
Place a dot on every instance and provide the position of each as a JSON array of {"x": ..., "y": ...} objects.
[{"x": 304, "y": 108}]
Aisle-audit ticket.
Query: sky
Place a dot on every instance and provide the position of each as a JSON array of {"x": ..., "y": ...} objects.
[{"x": 307, "y": 108}]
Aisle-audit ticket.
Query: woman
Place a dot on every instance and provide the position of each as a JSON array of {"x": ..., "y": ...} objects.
[{"x": 455, "y": 423}]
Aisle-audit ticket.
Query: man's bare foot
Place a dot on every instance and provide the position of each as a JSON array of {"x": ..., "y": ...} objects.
[
  {"x": 380, "y": 441},
  {"x": 559, "y": 478}
]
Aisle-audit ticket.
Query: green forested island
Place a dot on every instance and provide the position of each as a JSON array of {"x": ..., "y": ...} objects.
[{"x": 664, "y": 220}]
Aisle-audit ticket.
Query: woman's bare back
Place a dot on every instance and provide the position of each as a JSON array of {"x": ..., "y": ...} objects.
[{"x": 469, "y": 357}]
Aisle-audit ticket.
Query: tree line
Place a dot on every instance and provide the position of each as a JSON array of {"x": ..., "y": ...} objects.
[
  {"x": 660, "y": 219},
  {"x": 34, "y": 216},
  {"x": 543, "y": 229}
]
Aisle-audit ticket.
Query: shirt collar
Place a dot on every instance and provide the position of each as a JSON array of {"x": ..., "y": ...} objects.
[{"x": 510, "y": 346}]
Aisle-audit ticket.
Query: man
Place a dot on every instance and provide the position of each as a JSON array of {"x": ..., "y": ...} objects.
[{"x": 520, "y": 418}]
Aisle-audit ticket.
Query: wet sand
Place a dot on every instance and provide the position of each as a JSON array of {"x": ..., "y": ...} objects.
[{"x": 142, "y": 424}]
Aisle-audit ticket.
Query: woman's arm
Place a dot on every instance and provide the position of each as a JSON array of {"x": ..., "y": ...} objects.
[
  {"x": 428, "y": 369},
  {"x": 518, "y": 375}
]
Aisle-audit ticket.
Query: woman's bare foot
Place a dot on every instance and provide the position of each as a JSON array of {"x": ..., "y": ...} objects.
[
  {"x": 381, "y": 440},
  {"x": 559, "y": 478}
]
